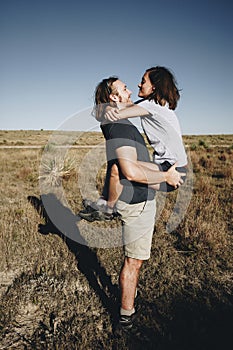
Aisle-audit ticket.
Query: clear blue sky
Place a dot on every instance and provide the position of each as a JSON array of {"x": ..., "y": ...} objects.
[{"x": 53, "y": 54}]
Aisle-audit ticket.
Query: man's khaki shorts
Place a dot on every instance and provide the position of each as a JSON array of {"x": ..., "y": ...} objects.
[{"x": 138, "y": 221}]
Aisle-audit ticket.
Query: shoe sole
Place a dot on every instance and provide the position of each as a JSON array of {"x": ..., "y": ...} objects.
[
  {"x": 95, "y": 216},
  {"x": 88, "y": 217}
]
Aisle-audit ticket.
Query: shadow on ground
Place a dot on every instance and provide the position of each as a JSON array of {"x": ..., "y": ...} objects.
[
  {"x": 194, "y": 323},
  {"x": 87, "y": 260}
]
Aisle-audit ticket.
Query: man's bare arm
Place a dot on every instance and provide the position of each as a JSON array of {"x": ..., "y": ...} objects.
[{"x": 136, "y": 171}]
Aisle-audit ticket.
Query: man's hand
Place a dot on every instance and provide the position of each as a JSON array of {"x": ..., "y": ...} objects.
[{"x": 173, "y": 177}]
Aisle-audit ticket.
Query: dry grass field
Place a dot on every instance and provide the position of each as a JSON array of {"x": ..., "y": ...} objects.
[{"x": 59, "y": 294}]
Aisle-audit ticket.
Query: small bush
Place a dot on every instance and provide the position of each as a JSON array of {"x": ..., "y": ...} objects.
[
  {"x": 202, "y": 143},
  {"x": 193, "y": 147}
]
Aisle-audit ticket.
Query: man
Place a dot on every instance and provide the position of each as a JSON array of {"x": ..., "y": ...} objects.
[{"x": 126, "y": 148}]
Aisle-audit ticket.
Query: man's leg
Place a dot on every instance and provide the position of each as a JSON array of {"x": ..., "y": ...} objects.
[
  {"x": 128, "y": 282},
  {"x": 137, "y": 230}
]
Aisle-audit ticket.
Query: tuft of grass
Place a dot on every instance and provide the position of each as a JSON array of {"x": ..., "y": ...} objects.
[{"x": 56, "y": 169}]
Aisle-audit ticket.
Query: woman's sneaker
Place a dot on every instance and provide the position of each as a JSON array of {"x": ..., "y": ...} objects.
[{"x": 95, "y": 212}]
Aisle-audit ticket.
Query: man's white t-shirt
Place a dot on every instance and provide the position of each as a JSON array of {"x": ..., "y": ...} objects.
[{"x": 163, "y": 131}]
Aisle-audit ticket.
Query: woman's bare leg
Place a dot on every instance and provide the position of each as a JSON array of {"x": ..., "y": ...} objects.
[{"x": 115, "y": 187}]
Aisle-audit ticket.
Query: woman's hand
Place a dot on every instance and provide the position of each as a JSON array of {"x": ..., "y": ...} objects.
[{"x": 111, "y": 114}]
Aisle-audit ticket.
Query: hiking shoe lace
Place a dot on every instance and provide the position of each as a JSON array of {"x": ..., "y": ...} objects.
[{"x": 127, "y": 322}]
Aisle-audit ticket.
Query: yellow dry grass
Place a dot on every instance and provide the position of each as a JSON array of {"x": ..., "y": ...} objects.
[{"x": 58, "y": 294}]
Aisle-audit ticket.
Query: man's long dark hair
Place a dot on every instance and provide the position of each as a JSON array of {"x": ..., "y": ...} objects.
[{"x": 102, "y": 93}]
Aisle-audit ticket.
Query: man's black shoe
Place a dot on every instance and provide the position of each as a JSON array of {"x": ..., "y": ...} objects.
[{"x": 126, "y": 322}]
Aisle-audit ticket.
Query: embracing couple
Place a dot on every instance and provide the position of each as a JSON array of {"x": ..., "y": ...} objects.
[{"x": 132, "y": 179}]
